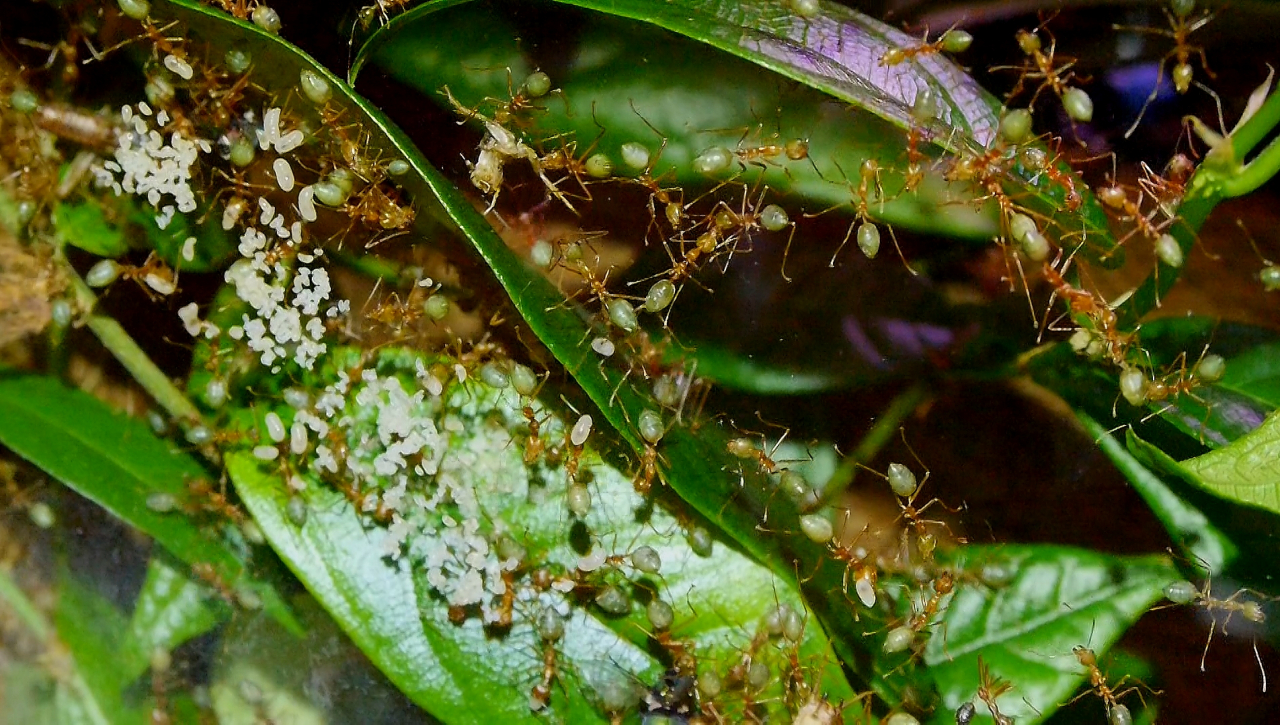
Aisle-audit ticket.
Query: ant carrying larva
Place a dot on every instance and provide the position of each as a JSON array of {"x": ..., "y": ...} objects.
[
  {"x": 951, "y": 41},
  {"x": 1052, "y": 70},
  {"x": 1181, "y": 26}
]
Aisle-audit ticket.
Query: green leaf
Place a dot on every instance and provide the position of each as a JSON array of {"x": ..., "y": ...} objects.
[
  {"x": 116, "y": 462},
  {"x": 1024, "y": 630},
  {"x": 213, "y": 246},
  {"x": 1189, "y": 528},
  {"x": 836, "y": 53},
  {"x": 170, "y": 609},
  {"x": 1247, "y": 471},
  {"x": 83, "y": 225},
  {"x": 343, "y": 563},
  {"x": 455, "y": 673},
  {"x": 92, "y": 629}
]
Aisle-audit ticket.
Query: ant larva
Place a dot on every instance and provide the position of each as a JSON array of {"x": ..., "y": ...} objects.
[
  {"x": 1117, "y": 712},
  {"x": 1053, "y": 71},
  {"x": 1184, "y": 592},
  {"x": 989, "y": 690},
  {"x": 951, "y": 41},
  {"x": 1181, "y": 26}
]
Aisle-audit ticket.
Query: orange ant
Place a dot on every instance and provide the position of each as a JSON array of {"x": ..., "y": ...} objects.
[
  {"x": 861, "y": 564},
  {"x": 155, "y": 277},
  {"x": 540, "y": 695},
  {"x": 1269, "y": 275},
  {"x": 1053, "y": 71},
  {"x": 380, "y": 9},
  {"x": 206, "y": 573},
  {"x": 534, "y": 446},
  {"x": 1038, "y": 161},
  {"x": 951, "y": 40},
  {"x": 1116, "y": 710},
  {"x": 868, "y": 232},
  {"x": 1184, "y": 592},
  {"x": 1169, "y": 188},
  {"x": 214, "y": 501},
  {"x": 1181, "y": 26},
  {"x": 905, "y": 488},
  {"x": 671, "y": 198},
  {"x": 990, "y": 689},
  {"x": 1086, "y": 304}
]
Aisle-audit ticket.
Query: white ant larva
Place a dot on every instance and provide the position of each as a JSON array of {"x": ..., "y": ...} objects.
[
  {"x": 275, "y": 427},
  {"x": 284, "y": 174},
  {"x": 179, "y": 66},
  {"x": 581, "y": 430}
]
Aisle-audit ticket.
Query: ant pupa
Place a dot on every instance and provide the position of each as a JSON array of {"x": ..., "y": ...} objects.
[
  {"x": 1181, "y": 26},
  {"x": 1184, "y": 592},
  {"x": 1052, "y": 70},
  {"x": 951, "y": 41}
]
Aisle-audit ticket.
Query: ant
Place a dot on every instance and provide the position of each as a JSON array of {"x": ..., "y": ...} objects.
[
  {"x": 380, "y": 9},
  {"x": 861, "y": 564},
  {"x": 671, "y": 198},
  {"x": 1038, "y": 161},
  {"x": 540, "y": 695},
  {"x": 1116, "y": 711},
  {"x": 1181, "y": 26},
  {"x": 905, "y": 488},
  {"x": 1184, "y": 592},
  {"x": 990, "y": 689},
  {"x": 1084, "y": 303},
  {"x": 1053, "y": 71},
  {"x": 215, "y": 501},
  {"x": 951, "y": 40},
  {"x": 1269, "y": 275},
  {"x": 867, "y": 231}
]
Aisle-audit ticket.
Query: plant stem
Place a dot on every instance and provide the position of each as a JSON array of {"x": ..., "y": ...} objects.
[
  {"x": 1259, "y": 125},
  {"x": 876, "y": 439},
  {"x": 125, "y": 350},
  {"x": 1254, "y": 174},
  {"x": 27, "y": 613}
]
